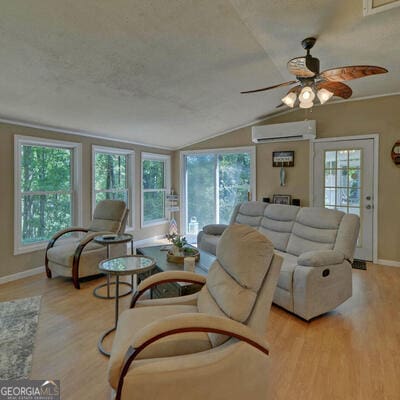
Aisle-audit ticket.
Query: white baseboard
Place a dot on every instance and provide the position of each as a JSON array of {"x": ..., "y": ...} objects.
[
  {"x": 389, "y": 263},
  {"x": 40, "y": 270},
  {"x": 23, "y": 274}
]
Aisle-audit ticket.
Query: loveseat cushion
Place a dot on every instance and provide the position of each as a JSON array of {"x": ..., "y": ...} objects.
[
  {"x": 315, "y": 229},
  {"x": 277, "y": 224},
  {"x": 250, "y": 213}
]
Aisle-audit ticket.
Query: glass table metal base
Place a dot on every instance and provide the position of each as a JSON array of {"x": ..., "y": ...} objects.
[
  {"x": 108, "y": 286},
  {"x": 126, "y": 265}
]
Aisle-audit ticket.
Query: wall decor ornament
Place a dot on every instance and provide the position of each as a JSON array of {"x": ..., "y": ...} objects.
[
  {"x": 396, "y": 153},
  {"x": 282, "y": 159}
]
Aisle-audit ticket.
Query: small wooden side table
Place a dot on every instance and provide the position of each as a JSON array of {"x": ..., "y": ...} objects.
[
  {"x": 126, "y": 265},
  {"x": 107, "y": 240}
]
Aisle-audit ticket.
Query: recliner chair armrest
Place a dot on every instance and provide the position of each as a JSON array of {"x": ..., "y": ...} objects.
[
  {"x": 197, "y": 322},
  {"x": 320, "y": 258},
  {"x": 184, "y": 323},
  {"x": 215, "y": 229},
  {"x": 58, "y": 234},
  {"x": 166, "y": 277}
]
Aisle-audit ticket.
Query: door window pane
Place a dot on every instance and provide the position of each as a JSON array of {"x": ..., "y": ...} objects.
[
  {"x": 330, "y": 159},
  {"x": 342, "y": 184},
  {"x": 330, "y": 178},
  {"x": 341, "y": 178}
]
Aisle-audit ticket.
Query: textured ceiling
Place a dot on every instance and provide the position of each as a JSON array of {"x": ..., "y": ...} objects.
[{"x": 169, "y": 73}]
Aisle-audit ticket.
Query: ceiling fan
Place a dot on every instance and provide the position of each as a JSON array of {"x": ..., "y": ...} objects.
[{"x": 310, "y": 82}]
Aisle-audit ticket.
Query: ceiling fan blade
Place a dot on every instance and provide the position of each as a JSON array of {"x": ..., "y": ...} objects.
[
  {"x": 269, "y": 87},
  {"x": 338, "y": 89},
  {"x": 341, "y": 74},
  {"x": 298, "y": 67}
]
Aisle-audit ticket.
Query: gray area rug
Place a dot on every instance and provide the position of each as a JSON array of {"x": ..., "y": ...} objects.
[{"x": 18, "y": 324}]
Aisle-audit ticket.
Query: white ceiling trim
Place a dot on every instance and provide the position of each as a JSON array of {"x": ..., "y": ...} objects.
[
  {"x": 51, "y": 128},
  {"x": 279, "y": 113},
  {"x": 93, "y": 135}
]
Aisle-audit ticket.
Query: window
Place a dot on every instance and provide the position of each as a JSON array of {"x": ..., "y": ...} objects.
[
  {"x": 113, "y": 176},
  {"x": 342, "y": 183},
  {"x": 213, "y": 183},
  {"x": 155, "y": 185},
  {"x": 46, "y": 190}
]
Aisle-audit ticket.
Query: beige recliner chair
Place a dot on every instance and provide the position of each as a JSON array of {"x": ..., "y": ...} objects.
[
  {"x": 210, "y": 345},
  {"x": 80, "y": 258}
]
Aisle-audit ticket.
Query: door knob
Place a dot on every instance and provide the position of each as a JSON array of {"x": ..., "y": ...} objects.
[
  {"x": 368, "y": 206},
  {"x": 368, "y": 198}
]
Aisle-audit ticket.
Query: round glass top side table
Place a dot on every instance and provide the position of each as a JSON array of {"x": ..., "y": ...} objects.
[
  {"x": 126, "y": 265},
  {"x": 108, "y": 240}
]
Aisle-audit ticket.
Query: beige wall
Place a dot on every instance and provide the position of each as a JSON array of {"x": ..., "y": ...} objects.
[
  {"x": 10, "y": 264},
  {"x": 379, "y": 115}
]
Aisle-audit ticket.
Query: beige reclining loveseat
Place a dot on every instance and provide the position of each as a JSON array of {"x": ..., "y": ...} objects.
[{"x": 317, "y": 245}]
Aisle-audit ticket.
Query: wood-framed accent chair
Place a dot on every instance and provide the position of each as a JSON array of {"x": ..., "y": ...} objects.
[
  {"x": 209, "y": 345},
  {"x": 78, "y": 258}
]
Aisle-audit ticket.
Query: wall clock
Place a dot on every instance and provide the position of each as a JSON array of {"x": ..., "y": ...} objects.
[{"x": 396, "y": 153}]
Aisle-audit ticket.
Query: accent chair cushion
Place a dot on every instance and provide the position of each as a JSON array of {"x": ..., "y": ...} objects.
[
  {"x": 108, "y": 216},
  {"x": 234, "y": 279}
]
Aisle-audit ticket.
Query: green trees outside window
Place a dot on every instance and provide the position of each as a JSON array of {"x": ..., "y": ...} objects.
[
  {"x": 110, "y": 176},
  {"x": 46, "y": 191},
  {"x": 154, "y": 188},
  {"x": 215, "y": 183}
]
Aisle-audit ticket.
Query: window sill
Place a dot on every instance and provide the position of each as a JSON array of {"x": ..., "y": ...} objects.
[
  {"x": 31, "y": 248},
  {"x": 154, "y": 223}
]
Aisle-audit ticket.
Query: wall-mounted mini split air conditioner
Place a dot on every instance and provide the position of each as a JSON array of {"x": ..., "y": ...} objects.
[{"x": 303, "y": 130}]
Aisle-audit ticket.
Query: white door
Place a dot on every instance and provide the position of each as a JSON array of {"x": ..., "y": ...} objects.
[{"x": 344, "y": 180}]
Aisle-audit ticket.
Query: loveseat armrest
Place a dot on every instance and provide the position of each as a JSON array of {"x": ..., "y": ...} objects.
[
  {"x": 184, "y": 323},
  {"x": 166, "y": 277},
  {"x": 215, "y": 229},
  {"x": 320, "y": 258}
]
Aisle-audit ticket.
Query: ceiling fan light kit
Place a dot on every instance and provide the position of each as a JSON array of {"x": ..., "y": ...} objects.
[
  {"x": 310, "y": 82},
  {"x": 290, "y": 99},
  {"x": 324, "y": 95}
]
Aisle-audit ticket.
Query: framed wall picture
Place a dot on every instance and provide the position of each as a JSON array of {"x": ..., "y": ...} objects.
[
  {"x": 281, "y": 199},
  {"x": 283, "y": 158}
]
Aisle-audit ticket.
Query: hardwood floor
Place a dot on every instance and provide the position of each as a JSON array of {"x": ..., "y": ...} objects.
[{"x": 350, "y": 353}]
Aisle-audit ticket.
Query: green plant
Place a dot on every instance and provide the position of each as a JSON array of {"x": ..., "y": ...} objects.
[{"x": 177, "y": 240}]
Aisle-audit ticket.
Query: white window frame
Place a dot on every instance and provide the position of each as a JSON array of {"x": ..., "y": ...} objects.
[
  {"x": 76, "y": 207},
  {"x": 369, "y": 8},
  {"x": 130, "y": 179},
  {"x": 229, "y": 150},
  {"x": 167, "y": 185}
]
